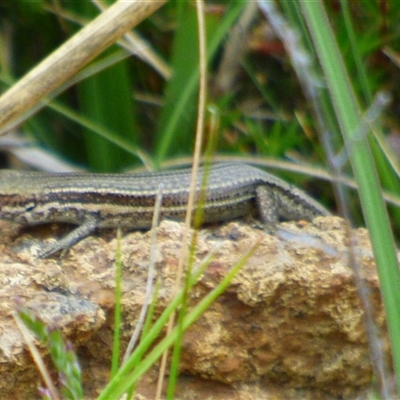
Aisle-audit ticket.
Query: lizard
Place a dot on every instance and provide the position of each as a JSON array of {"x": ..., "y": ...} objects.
[{"x": 95, "y": 201}]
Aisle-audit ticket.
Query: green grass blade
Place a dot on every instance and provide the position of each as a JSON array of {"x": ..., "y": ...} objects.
[
  {"x": 375, "y": 214},
  {"x": 61, "y": 353},
  {"x": 129, "y": 377},
  {"x": 102, "y": 131},
  {"x": 177, "y": 113},
  {"x": 115, "y": 111},
  {"x": 118, "y": 309}
]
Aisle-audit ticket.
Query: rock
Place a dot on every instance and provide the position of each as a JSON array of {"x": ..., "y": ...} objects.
[{"x": 290, "y": 326}]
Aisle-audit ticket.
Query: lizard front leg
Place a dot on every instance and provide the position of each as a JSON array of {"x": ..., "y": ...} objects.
[{"x": 89, "y": 226}]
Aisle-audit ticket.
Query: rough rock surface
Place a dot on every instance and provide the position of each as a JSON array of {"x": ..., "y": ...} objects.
[{"x": 289, "y": 327}]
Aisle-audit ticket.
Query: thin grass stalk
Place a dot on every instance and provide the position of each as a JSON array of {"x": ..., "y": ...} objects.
[
  {"x": 191, "y": 201},
  {"x": 118, "y": 308},
  {"x": 129, "y": 377}
]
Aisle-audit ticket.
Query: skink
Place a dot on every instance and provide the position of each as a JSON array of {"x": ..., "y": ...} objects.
[{"x": 94, "y": 201}]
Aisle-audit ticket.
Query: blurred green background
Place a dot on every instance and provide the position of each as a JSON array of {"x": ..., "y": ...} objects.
[{"x": 130, "y": 113}]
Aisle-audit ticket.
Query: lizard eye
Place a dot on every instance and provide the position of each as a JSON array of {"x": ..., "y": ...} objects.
[{"x": 29, "y": 207}]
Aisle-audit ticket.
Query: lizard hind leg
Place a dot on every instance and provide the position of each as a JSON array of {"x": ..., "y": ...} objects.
[{"x": 268, "y": 207}]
